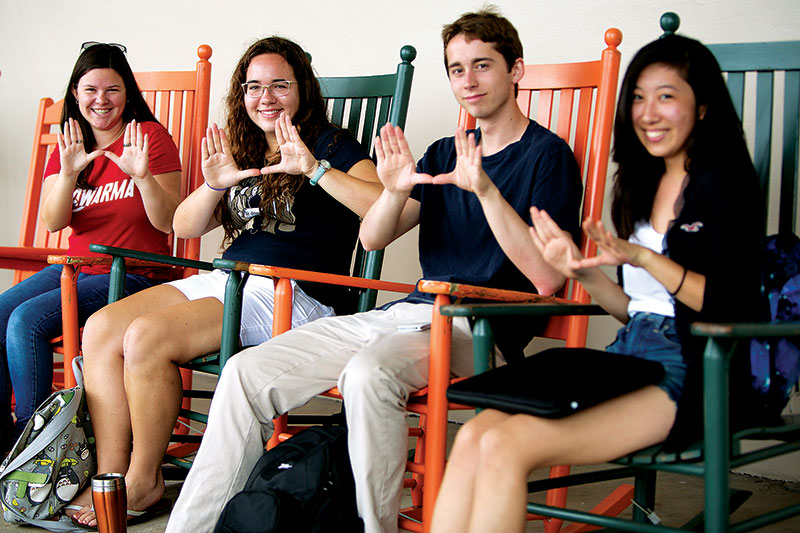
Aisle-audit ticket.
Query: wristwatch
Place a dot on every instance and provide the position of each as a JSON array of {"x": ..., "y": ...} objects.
[{"x": 322, "y": 167}]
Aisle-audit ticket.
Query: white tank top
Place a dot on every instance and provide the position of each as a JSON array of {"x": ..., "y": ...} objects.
[{"x": 646, "y": 294}]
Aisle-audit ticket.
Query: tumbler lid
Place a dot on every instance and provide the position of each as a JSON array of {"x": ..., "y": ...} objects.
[{"x": 108, "y": 482}]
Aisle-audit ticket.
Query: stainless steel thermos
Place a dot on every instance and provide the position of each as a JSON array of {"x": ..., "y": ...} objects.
[{"x": 110, "y": 503}]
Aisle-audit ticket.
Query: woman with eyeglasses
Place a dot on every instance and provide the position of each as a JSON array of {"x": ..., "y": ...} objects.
[
  {"x": 288, "y": 189},
  {"x": 113, "y": 178}
]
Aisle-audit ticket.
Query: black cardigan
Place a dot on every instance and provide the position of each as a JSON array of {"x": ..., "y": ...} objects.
[{"x": 718, "y": 234}]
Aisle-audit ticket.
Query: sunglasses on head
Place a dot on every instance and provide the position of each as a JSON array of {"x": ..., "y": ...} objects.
[{"x": 90, "y": 44}]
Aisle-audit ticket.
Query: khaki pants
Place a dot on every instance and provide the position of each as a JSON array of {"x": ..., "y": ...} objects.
[{"x": 375, "y": 365}]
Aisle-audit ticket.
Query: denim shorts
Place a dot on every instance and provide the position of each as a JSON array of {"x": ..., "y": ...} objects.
[{"x": 654, "y": 337}]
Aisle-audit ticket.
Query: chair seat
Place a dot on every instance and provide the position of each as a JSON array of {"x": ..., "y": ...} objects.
[{"x": 788, "y": 432}]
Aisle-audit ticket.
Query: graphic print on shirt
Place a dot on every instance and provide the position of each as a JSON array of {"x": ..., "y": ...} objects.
[
  {"x": 82, "y": 198},
  {"x": 244, "y": 202}
]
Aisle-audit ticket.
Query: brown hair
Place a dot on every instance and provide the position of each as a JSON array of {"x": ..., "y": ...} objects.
[
  {"x": 248, "y": 144},
  {"x": 488, "y": 26},
  {"x": 101, "y": 56}
]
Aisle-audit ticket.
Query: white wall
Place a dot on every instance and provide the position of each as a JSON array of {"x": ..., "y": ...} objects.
[{"x": 39, "y": 41}]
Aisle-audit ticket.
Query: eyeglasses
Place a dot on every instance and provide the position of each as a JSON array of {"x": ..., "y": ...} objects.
[
  {"x": 276, "y": 88},
  {"x": 90, "y": 44}
]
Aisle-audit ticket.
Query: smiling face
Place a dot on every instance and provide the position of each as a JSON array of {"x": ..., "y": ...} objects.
[
  {"x": 664, "y": 112},
  {"x": 480, "y": 78},
  {"x": 101, "y": 99},
  {"x": 265, "y": 69}
]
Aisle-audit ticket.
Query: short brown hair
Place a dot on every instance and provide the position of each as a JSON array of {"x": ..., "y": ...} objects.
[{"x": 490, "y": 27}]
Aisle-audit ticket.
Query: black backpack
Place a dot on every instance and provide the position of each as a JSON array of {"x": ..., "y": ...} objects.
[{"x": 304, "y": 484}]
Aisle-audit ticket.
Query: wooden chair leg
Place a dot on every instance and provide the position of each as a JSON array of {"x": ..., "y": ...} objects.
[
  {"x": 419, "y": 455},
  {"x": 438, "y": 380},
  {"x": 717, "y": 446},
  {"x": 556, "y": 498},
  {"x": 69, "y": 320},
  {"x": 644, "y": 494}
]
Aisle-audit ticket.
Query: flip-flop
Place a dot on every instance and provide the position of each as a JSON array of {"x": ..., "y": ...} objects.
[{"x": 162, "y": 506}]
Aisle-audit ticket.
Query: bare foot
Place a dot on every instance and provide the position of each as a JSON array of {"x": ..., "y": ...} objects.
[
  {"x": 85, "y": 516},
  {"x": 142, "y": 495},
  {"x": 139, "y": 498},
  {"x": 86, "y": 513}
]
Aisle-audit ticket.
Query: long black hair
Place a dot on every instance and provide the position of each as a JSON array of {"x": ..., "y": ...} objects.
[
  {"x": 716, "y": 141},
  {"x": 103, "y": 56}
]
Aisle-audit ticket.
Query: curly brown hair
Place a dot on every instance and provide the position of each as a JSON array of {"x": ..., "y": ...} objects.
[{"x": 249, "y": 147}]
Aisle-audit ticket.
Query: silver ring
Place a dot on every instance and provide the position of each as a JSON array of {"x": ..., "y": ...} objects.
[{"x": 126, "y": 145}]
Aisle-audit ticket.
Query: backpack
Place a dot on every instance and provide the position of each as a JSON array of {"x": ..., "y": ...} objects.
[
  {"x": 52, "y": 461},
  {"x": 775, "y": 362},
  {"x": 303, "y": 485}
]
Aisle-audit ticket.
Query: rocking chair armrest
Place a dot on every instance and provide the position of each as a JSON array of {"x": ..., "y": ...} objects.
[
  {"x": 462, "y": 290},
  {"x": 558, "y": 308},
  {"x": 332, "y": 279},
  {"x": 150, "y": 258},
  {"x": 82, "y": 260},
  {"x": 25, "y": 257},
  {"x": 230, "y": 264},
  {"x": 747, "y": 329}
]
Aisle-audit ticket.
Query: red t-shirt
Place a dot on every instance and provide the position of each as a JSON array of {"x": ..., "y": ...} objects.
[{"x": 111, "y": 212}]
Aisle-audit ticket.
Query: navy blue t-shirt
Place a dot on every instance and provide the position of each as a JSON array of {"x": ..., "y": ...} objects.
[
  {"x": 455, "y": 241},
  {"x": 310, "y": 230}
]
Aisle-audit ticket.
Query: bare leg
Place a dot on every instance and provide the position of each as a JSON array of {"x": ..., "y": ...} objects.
[
  {"x": 454, "y": 503},
  {"x": 519, "y": 444},
  {"x": 154, "y": 344},
  {"x": 104, "y": 353},
  {"x": 103, "y": 376}
]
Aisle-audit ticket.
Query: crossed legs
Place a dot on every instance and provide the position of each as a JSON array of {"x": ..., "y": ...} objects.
[{"x": 485, "y": 484}]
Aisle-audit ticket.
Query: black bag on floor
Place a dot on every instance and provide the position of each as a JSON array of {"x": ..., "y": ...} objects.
[{"x": 304, "y": 484}]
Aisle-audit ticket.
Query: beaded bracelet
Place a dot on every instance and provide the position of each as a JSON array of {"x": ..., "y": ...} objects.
[{"x": 681, "y": 283}]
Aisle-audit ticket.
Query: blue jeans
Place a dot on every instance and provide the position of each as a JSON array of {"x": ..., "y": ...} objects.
[
  {"x": 651, "y": 336},
  {"x": 30, "y": 315}
]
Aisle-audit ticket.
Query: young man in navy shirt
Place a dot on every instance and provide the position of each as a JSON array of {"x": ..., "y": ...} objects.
[{"x": 470, "y": 195}]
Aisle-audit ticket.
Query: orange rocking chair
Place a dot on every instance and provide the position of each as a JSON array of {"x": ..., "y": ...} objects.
[{"x": 180, "y": 102}]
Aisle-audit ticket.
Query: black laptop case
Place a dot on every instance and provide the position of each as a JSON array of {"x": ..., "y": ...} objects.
[{"x": 557, "y": 382}]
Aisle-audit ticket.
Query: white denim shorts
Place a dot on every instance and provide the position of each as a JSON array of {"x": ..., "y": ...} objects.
[{"x": 257, "y": 304}]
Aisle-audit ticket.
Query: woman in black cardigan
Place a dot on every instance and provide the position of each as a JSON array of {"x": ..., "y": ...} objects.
[{"x": 687, "y": 214}]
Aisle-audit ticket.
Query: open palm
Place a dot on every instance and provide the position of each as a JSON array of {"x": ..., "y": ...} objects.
[
  {"x": 134, "y": 160},
  {"x": 396, "y": 168},
  {"x": 72, "y": 150},
  {"x": 296, "y": 158},
  {"x": 219, "y": 168},
  {"x": 468, "y": 173}
]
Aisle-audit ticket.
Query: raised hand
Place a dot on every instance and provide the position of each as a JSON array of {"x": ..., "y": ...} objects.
[
  {"x": 219, "y": 169},
  {"x": 396, "y": 167},
  {"x": 296, "y": 158},
  {"x": 72, "y": 151},
  {"x": 615, "y": 251},
  {"x": 135, "y": 146},
  {"x": 468, "y": 174},
  {"x": 555, "y": 245}
]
